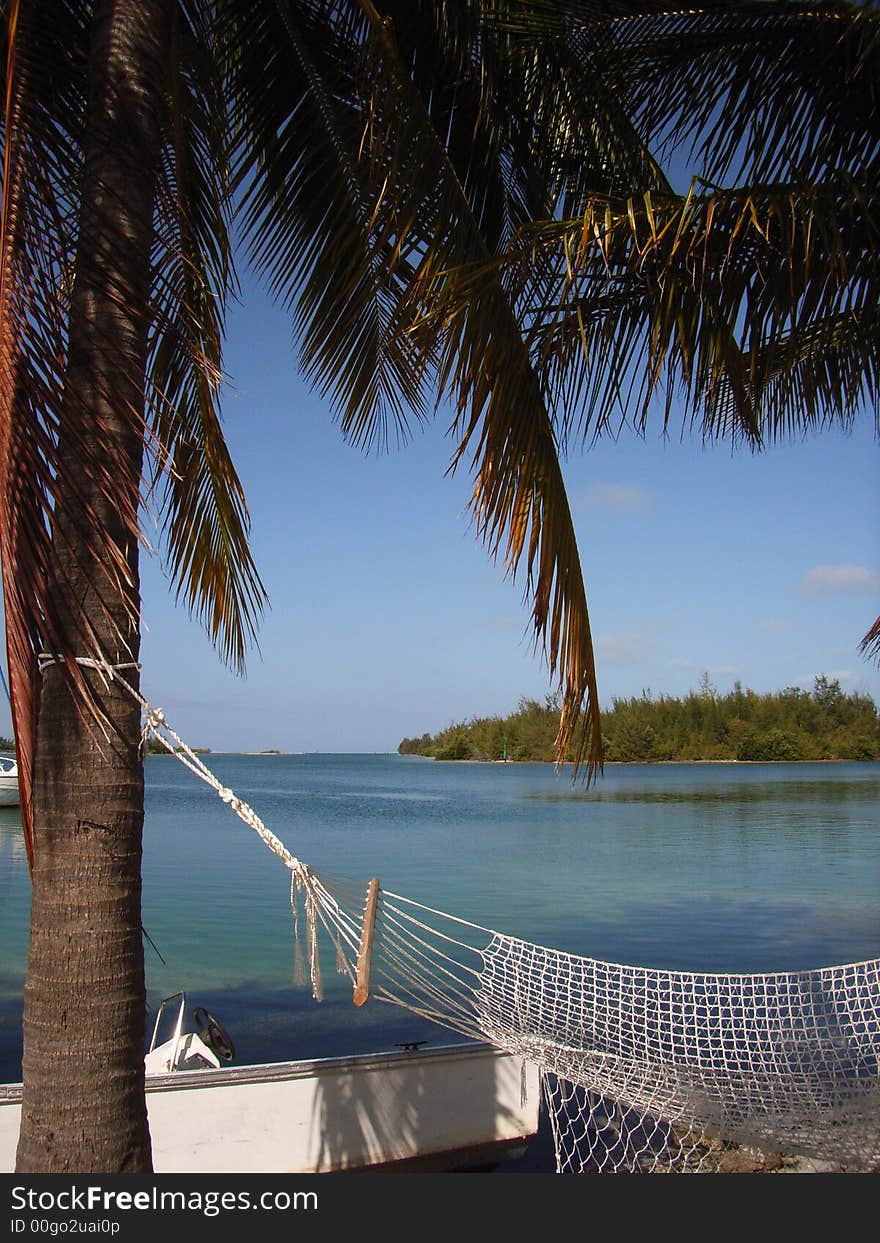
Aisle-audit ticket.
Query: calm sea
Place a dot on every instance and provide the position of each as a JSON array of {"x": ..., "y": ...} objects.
[{"x": 705, "y": 867}]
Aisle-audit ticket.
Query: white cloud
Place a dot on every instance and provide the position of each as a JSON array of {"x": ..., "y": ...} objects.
[
  {"x": 678, "y": 663},
  {"x": 725, "y": 671},
  {"x": 854, "y": 579},
  {"x": 618, "y": 498}
]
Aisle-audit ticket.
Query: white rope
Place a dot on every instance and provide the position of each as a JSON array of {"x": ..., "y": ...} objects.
[
  {"x": 157, "y": 725},
  {"x": 443, "y": 914},
  {"x": 45, "y": 659},
  {"x": 640, "y": 1066}
]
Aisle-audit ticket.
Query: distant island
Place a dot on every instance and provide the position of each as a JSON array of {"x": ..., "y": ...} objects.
[
  {"x": 155, "y": 747},
  {"x": 825, "y": 723}
]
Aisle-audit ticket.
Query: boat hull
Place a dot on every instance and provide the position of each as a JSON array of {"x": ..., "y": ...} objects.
[
  {"x": 443, "y": 1108},
  {"x": 8, "y": 791}
]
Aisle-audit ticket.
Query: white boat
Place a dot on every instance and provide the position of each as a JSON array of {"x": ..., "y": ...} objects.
[
  {"x": 8, "y": 781},
  {"x": 454, "y": 1107}
]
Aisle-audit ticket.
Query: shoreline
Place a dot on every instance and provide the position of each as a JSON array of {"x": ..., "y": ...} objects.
[
  {"x": 637, "y": 763},
  {"x": 207, "y": 751}
]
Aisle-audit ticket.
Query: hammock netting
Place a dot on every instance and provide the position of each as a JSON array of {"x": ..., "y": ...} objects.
[{"x": 642, "y": 1070}]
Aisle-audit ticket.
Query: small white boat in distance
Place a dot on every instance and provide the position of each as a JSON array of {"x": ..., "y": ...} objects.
[{"x": 8, "y": 781}]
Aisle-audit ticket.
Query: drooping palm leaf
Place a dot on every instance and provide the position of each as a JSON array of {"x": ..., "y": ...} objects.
[
  {"x": 754, "y": 302},
  {"x": 504, "y": 418},
  {"x": 760, "y": 304},
  {"x": 205, "y": 517},
  {"x": 387, "y": 154},
  {"x": 755, "y": 92},
  {"x": 870, "y": 645},
  {"x": 306, "y": 215},
  {"x": 754, "y": 88},
  {"x": 46, "y": 447},
  {"x": 42, "y": 115},
  {"x": 758, "y": 307}
]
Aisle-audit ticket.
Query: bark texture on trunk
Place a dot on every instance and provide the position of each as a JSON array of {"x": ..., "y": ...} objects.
[{"x": 83, "y": 1108}]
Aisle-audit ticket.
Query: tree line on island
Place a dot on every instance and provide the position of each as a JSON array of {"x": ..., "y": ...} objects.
[{"x": 825, "y": 723}]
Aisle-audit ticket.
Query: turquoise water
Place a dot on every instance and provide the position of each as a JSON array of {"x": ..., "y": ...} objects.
[{"x": 705, "y": 867}]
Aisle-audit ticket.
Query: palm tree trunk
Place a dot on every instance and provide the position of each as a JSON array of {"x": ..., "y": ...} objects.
[{"x": 83, "y": 1108}]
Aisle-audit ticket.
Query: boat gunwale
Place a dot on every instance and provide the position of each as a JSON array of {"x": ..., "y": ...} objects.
[{"x": 275, "y": 1072}]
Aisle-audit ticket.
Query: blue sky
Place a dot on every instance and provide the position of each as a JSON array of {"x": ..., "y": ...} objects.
[{"x": 388, "y": 619}]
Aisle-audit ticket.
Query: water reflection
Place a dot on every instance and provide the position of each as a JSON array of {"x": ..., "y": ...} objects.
[
  {"x": 10, "y": 818},
  {"x": 734, "y": 792},
  {"x": 12, "y": 849},
  {"x": 695, "y": 867}
]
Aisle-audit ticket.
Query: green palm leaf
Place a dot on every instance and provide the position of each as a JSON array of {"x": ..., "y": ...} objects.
[
  {"x": 43, "y": 77},
  {"x": 205, "y": 517},
  {"x": 41, "y": 455},
  {"x": 308, "y": 216},
  {"x": 758, "y": 305},
  {"x": 384, "y": 157}
]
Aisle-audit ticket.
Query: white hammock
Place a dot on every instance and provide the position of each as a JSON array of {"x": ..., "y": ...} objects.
[{"x": 642, "y": 1069}]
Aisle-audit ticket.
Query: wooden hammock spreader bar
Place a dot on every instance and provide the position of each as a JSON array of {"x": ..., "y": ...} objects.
[{"x": 365, "y": 949}]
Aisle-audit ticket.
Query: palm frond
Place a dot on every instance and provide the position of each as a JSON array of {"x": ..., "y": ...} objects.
[
  {"x": 49, "y": 446},
  {"x": 756, "y": 91},
  {"x": 41, "y": 155},
  {"x": 378, "y": 154},
  {"x": 530, "y": 120},
  {"x": 205, "y": 517},
  {"x": 758, "y": 305},
  {"x": 768, "y": 89},
  {"x": 505, "y": 418},
  {"x": 306, "y": 218},
  {"x": 870, "y": 645}
]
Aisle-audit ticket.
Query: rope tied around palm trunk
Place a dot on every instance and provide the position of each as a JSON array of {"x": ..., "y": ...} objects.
[
  {"x": 156, "y": 725},
  {"x": 643, "y": 1069}
]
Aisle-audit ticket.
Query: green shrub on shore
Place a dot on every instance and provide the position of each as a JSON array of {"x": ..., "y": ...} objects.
[{"x": 792, "y": 724}]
